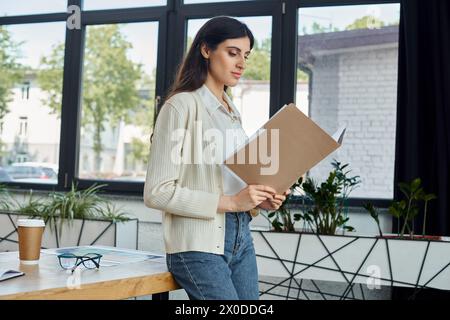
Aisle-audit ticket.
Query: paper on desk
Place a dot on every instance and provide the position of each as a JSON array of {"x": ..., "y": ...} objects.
[
  {"x": 9, "y": 274},
  {"x": 110, "y": 256}
]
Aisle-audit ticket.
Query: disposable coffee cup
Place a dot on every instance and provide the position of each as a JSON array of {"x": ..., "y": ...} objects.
[{"x": 30, "y": 238}]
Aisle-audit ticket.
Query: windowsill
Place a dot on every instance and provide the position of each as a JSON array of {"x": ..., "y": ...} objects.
[{"x": 117, "y": 197}]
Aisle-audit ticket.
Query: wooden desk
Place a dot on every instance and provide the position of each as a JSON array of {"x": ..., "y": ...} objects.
[{"x": 49, "y": 281}]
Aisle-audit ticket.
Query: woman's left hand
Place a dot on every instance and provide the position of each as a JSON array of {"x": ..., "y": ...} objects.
[{"x": 275, "y": 203}]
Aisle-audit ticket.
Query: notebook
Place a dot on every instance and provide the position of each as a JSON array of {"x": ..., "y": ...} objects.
[
  {"x": 9, "y": 273},
  {"x": 283, "y": 149}
]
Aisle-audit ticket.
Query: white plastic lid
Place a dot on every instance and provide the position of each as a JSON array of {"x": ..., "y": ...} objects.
[{"x": 30, "y": 223}]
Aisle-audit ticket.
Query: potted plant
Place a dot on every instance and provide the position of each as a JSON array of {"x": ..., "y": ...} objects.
[
  {"x": 322, "y": 207},
  {"x": 407, "y": 210},
  {"x": 77, "y": 217}
]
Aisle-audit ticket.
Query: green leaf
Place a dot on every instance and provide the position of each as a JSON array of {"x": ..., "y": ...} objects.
[
  {"x": 415, "y": 184},
  {"x": 394, "y": 210},
  {"x": 429, "y": 197},
  {"x": 405, "y": 189}
]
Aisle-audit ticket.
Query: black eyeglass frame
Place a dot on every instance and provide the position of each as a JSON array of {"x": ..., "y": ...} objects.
[{"x": 94, "y": 257}]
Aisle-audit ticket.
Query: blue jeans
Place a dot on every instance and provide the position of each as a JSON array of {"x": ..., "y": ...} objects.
[{"x": 231, "y": 276}]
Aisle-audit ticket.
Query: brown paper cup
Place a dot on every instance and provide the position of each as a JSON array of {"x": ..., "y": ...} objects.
[{"x": 30, "y": 238}]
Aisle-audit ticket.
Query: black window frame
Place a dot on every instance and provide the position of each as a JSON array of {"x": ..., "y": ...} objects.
[{"x": 172, "y": 29}]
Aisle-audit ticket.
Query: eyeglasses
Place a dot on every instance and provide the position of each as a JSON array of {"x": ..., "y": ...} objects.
[{"x": 70, "y": 261}]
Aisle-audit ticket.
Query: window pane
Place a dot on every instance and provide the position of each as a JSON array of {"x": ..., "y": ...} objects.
[
  {"x": 117, "y": 4},
  {"x": 13, "y": 8},
  {"x": 208, "y": 1},
  {"x": 347, "y": 75},
  {"x": 252, "y": 94},
  {"x": 30, "y": 101},
  {"x": 118, "y": 100}
]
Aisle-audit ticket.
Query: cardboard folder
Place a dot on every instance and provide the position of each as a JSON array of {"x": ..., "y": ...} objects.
[{"x": 297, "y": 140}]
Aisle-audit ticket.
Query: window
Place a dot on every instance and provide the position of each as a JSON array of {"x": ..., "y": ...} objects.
[
  {"x": 26, "y": 90},
  {"x": 252, "y": 94},
  {"x": 208, "y": 1},
  {"x": 21, "y": 158},
  {"x": 118, "y": 100},
  {"x": 124, "y": 59},
  {"x": 347, "y": 75},
  {"x": 116, "y": 4},
  {"x": 32, "y": 122},
  {"x": 23, "y": 127},
  {"x": 13, "y": 8}
]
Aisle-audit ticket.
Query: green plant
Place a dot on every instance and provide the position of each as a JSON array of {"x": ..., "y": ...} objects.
[
  {"x": 322, "y": 206},
  {"x": 32, "y": 207},
  {"x": 75, "y": 204},
  {"x": 112, "y": 213},
  {"x": 327, "y": 211},
  {"x": 374, "y": 214},
  {"x": 426, "y": 198},
  {"x": 408, "y": 209},
  {"x": 5, "y": 198}
]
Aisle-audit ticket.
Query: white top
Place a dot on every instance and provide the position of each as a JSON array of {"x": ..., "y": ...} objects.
[
  {"x": 230, "y": 125},
  {"x": 30, "y": 223}
]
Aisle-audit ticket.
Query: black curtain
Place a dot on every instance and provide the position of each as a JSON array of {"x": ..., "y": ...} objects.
[{"x": 423, "y": 113}]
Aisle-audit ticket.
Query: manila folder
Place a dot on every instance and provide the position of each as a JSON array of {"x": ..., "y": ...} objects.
[{"x": 283, "y": 150}]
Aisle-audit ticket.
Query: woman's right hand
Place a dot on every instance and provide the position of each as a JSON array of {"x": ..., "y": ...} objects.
[{"x": 251, "y": 196}]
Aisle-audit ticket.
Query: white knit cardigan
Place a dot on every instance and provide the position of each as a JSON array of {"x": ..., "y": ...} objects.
[{"x": 187, "y": 193}]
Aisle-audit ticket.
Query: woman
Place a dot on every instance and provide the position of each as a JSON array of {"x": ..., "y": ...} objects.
[{"x": 206, "y": 208}]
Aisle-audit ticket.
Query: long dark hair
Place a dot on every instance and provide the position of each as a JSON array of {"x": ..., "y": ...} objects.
[{"x": 192, "y": 72}]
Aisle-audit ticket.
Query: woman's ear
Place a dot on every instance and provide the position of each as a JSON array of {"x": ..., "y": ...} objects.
[{"x": 204, "y": 51}]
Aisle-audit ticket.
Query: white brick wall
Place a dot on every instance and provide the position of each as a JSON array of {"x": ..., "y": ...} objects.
[{"x": 359, "y": 89}]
